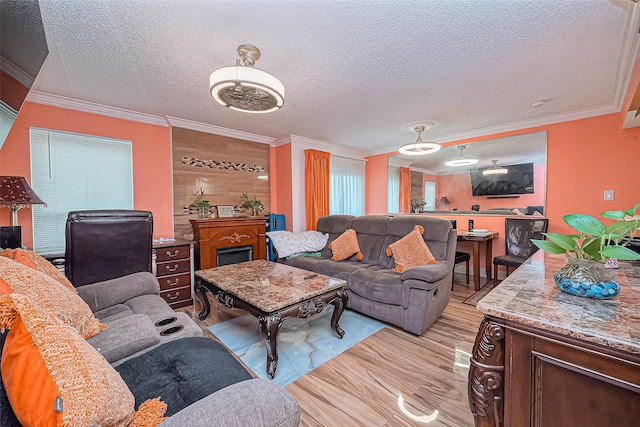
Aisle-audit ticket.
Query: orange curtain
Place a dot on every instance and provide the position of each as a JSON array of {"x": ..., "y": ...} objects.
[
  {"x": 405, "y": 190},
  {"x": 316, "y": 184}
]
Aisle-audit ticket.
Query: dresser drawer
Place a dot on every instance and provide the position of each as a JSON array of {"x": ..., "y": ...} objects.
[
  {"x": 172, "y": 252},
  {"x": 176, "y": 295},
  {"x": 174, "y": 281},
  {"x": 173, "y": 267}
]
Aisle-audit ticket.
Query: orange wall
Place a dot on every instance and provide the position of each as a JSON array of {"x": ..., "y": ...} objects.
[
  {"x": 13, "y": 92},
  {"x": 282, "y": 198},
  {"x": 151, "y": 151},
  {"x": 457, "y": 188},
  {"x": 375, "y": 184},
  {"x": 584, "y": 158}
]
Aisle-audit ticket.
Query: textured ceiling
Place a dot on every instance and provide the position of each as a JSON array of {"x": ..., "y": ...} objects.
[{"x": 356, "y": 73}]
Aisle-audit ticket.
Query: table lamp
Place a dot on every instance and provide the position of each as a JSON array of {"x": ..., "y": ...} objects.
[
  {"x": 444, "y": 201},
  {"x": 15, "y": 194}
]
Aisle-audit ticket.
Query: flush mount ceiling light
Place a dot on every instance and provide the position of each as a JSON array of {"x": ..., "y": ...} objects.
[
  {"x": 244, "y": 88},
  {"x": 461, "y": 160},
  {"x": 420, "y": 147},
  {"x": 495, "y": 169}
]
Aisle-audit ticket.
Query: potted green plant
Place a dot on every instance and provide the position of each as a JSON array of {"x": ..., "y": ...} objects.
[
  {"x": 202, "y": 204},
  {"x": 252, "y": 203},
  {"x": 417, "y": 205},
  {"x": 590, "y": 248}
]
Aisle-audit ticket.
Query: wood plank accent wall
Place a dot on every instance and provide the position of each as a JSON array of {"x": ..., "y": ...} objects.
[
  {"x": 416, "y": 185},
  {"x": 223, "y": 186}
]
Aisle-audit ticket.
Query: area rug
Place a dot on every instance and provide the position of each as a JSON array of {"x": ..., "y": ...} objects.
[
  {"x": 477, "y": 296},
  {"x": 303, "y": 344}
]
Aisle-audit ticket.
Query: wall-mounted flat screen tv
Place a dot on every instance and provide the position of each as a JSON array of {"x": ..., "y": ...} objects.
[{"x": 517, "y": 180}]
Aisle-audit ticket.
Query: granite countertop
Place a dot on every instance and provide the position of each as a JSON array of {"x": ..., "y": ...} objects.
[{"x": 530, "y": 297}]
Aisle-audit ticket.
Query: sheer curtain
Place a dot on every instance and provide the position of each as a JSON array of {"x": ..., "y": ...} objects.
[
  {"x": 393, "y": 189},
  {"x": 347, "y": 186}
]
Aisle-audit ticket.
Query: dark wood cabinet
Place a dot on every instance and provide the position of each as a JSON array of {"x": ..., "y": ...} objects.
[
  {"x": 212, "y": 235},
  {"x": 524, "y": 376},
  {"x": 174, "y": 271}
]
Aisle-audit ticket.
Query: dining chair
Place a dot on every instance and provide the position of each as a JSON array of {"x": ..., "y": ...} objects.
[{"x": 518, "y": 245}]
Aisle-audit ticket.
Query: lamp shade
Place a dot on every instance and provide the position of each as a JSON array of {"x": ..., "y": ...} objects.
[
  {"x": 444, "y": 201},
  {"x": 16, "y": 193}
]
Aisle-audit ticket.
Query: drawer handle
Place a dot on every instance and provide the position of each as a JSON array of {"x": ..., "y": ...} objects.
[
  {"x": 174, "y": 283},
  {"x": 172, "y": 297},
  {"x": 175, "y": 253},
  {"x": 171, "y": 269}
]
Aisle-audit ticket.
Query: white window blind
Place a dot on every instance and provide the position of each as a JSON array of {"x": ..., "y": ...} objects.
[
  {"x": 7, "y": 117},
  {"x": 76, "y": 172},
  {"x": 393, "y": 189},
  {"x": 347, "y": 186}
]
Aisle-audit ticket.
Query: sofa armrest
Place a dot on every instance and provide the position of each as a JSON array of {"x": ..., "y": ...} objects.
[
  {"x": 428, "y": 273},
  {"x": 251, "y": 402},
  {"x": 105, "y": 294},
  {"x": 125, "y": 336}
]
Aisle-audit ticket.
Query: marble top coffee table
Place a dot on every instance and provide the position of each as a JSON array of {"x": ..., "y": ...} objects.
[{"x": 272, "y": 292}]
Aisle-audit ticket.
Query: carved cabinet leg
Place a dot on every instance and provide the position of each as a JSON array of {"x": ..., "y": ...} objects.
[{"x": 486, "y": 376}]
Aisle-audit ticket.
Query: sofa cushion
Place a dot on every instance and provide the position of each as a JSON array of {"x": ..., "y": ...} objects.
[
  {"x": 43, "y": 358},
  {"x": 411, "y": 251},
  {"x": 345, "y": 246},
  {"x": 125, "y": 336},
  {"x": 40, "y": 263},
  {"x": 47, "y": 293},
  {"x": 181, "y": 382},
  {"x": 114, "y": 312},
  {"x": 377, "y": 284}
]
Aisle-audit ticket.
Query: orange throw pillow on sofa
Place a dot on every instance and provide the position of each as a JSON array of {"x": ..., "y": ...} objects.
[
  {"x": 35, "y": 260},
  {"x": 345, "y": 245},
  {"x": 54, "y": 377},
  {"x": 48, "y": 294},
  {"x": 411, "y": 251}
]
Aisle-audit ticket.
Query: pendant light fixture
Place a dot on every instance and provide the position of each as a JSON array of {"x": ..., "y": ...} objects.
[
  {"x": 420, "y": 147},
  {"x": 461, "y": 160},
  {"x": 495, "y": 169},
  {"x": 244, "y": 88}
]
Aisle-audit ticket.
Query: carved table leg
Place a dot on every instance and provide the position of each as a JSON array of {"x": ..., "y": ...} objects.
[
  {"x": 202, "y": 296},
  {"x": 339, "y": 304},
  {"x": 486, "y": 376},
  {"x": 270, "y": 325}
]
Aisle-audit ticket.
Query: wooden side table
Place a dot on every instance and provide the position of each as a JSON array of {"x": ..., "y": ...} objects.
[{"x": 487, "y": 241}]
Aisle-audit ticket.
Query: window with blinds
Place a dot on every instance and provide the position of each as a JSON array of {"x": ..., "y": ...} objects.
[
  {"x": 75, "y": 172},
  {"x": 346, "y": 186}
]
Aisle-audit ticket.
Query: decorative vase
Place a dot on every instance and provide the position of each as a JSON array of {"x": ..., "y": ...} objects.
[
  {"x": 587, "y": 278},
  {"x": 203, "y": 212}
]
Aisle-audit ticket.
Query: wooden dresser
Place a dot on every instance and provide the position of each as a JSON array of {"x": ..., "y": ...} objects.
[
  {"x": 174, "y": 270},
  {"x": 546, "y": 358},
  {"x": 212, "y": 235}
]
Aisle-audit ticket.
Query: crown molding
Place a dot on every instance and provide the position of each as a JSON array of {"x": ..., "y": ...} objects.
[
  {"x": 282, "y": 141},
  {"x": 16, "y": 72},
  {"x": 217, "y": 130},
  {"x": 427, "y": 171},
  {"x": 628, "y": 55},
  {"x": 93, "y": 108},
  {"x": 335, "y": 149}
]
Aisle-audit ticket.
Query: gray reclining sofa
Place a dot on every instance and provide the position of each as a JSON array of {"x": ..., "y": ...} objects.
[{"x": 413, "y": 299}]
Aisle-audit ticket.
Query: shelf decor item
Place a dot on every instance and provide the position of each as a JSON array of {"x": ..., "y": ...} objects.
[
  {"x": 417, "y": 205},
  {"x": 203, "y": 205},
  {"x": 254, "y": 205},
  {"x": 595, "y": 244}
]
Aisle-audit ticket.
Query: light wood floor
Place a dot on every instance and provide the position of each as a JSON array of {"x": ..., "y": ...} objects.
[{"x": 365, "y": 385}]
